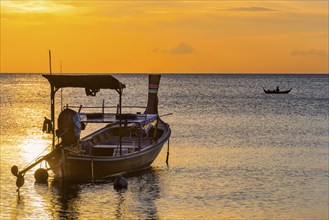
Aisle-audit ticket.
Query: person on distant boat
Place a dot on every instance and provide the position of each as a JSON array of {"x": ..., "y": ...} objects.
[{"x": 277, "y": 89}]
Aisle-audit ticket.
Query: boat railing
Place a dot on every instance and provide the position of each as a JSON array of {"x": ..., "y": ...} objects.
[
  {"x": 103, "y": 108},
  {"x": 104, "y": 116}
]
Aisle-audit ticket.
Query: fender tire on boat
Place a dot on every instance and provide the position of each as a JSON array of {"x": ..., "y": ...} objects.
[{"x": 41, "y": 175}]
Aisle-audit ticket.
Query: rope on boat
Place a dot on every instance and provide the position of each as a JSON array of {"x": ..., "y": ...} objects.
[
  {"x": 71, "y": 150},
  {"x": 92, "y": 170},
  {"x": 165, "y": 115},
  {"x": 37, "y": 157},
  {"x": 167, "y": 153}
]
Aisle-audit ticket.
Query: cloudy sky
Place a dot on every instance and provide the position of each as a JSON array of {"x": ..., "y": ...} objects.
[{"x": 171, "y": 36}]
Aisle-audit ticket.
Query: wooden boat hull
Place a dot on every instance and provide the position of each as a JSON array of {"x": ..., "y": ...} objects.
[
  {"x": 80, "y": 168},
  {"x": 276, "y": 92},
  {"x": 128, "y": 142}
]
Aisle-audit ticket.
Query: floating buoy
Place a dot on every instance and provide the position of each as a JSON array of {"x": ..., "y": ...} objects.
[
  {"x": 41, "y": 175},
  {"x": 120, "y": 183}
]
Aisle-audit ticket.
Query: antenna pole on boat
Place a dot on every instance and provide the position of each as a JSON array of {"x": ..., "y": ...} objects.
[
  {"x": 61, "y": 89},
  {"x": 120, "y": 112},
  {"x": 52, "y": 102},
  {"x": 50, "y": 61},
  {"x": 52, "y": 110}
]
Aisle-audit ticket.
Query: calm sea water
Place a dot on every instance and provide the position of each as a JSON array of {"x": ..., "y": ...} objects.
[{"x": 235, "y": 152}]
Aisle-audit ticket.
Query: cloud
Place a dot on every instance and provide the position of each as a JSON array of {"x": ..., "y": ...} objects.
[
  {"x": 252, "y": 9},
  {"x": 311, "y": 52},
  {"x": 180, "y": 49},
  {"x": 158, "y": 50}
]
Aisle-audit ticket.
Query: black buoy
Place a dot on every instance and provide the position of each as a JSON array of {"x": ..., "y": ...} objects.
[
  {"x": 41, "y": 175},
  {"x": 120, "y": 183}
]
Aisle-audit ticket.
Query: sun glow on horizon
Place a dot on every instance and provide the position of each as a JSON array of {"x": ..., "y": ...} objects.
[{"x": 34, "y": 6}]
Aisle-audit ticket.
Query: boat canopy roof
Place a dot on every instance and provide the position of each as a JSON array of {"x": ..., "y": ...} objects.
[{"x": 85, "y": 81}]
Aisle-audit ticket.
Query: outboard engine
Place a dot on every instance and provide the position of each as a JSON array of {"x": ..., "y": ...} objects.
[{"x": 69, "y": 127}]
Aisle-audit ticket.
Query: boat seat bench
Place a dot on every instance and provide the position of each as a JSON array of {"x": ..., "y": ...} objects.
[
  {"x": 114, "y": 146},
  {"x": 112, "y": 149}
]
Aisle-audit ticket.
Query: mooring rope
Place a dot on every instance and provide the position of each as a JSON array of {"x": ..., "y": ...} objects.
[{"x": 39, "y": 156}]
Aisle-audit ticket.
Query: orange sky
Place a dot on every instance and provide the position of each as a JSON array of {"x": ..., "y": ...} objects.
[{"x": 165, "y": 36}]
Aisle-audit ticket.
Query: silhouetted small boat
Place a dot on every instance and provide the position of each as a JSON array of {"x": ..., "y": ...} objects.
[
  {"x": 126, "y": 142},
  {"x": 276, "y": 91}
]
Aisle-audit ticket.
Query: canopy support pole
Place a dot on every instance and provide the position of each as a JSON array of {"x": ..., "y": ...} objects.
[
  {"x": 52, "y": 110},
  {"x": 120, "y": 121}
]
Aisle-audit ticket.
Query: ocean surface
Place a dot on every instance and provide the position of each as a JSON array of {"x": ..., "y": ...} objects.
[{"x": 235, "y": 152}]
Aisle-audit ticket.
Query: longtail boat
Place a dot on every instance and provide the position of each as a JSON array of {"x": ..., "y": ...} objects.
[
  {"x": 125, "y": 142},
  {"x": 276, "y": 91}
]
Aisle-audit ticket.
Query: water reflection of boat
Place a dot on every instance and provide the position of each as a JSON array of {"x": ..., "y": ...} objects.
[
  {"x": 147, "y": 190},
  {"x": 67, "y": 200},
  {"x": 276, "y": 91},
  {"x": 127, "y": 142},
  {"x": 58, "y": 199}
]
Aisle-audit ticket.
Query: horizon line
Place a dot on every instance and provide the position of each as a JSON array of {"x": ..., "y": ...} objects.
[{"x": 164, "y": 73}]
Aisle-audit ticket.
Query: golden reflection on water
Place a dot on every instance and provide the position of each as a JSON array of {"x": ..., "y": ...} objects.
[
  {"x": 34, "y": 147},
  {"x": 221, "y": 164}
]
